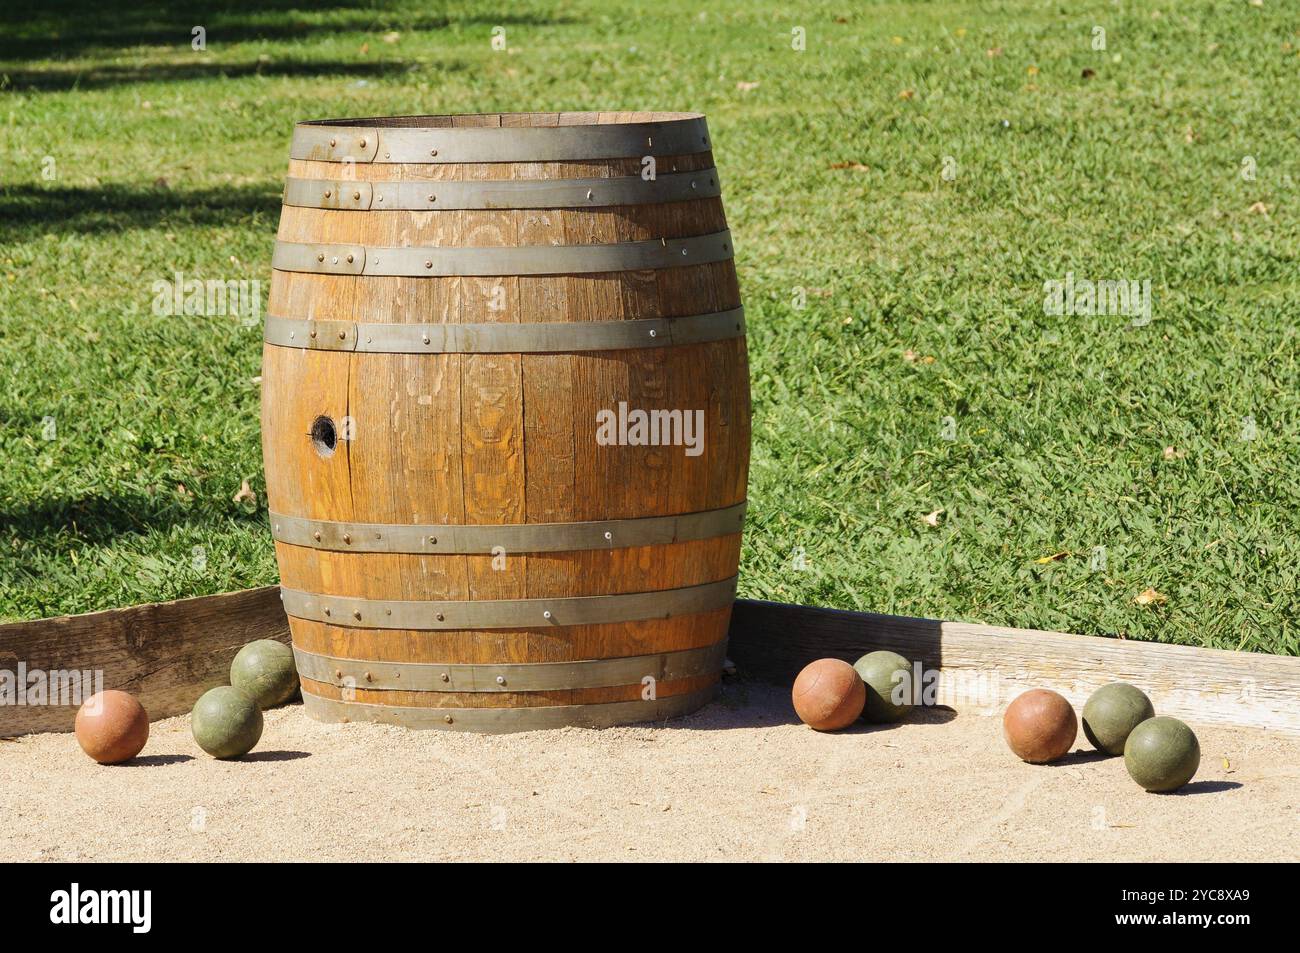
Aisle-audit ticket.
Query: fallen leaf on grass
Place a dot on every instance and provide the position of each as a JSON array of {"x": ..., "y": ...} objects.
[
  {"x": 1149, "y": 596},
  {"x": 245, "y": 493},
  {"x": 932, "y": 519},
  {"x": 855, "y": 166},
  {"x": 1044, "y": 560},
  {"x": 907, "y": 94}
]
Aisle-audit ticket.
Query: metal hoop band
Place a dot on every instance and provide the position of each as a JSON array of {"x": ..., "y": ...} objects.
[
  {"x": 508, "y": 613},
  {"x": 503, "y": 337},
  {"x": 440, "y": 261},
  {"x": 512, "y": 537},
  {"x": 502, "y": 720},
  {"x": 538, "y": 193},
  {"x": 454, "y": 144},
  {"x": 537, "y": 677}
]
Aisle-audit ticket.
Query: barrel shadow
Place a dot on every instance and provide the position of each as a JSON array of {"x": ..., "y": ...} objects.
[
  {"x": 773, "y": 641},
  {"x": 745, "y": 704}
]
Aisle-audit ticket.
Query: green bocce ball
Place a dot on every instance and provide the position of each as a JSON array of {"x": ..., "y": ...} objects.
[
  {"x": 883, "y": 686},
  {"x": 226, "y": 723},
  {"x": 1112, "y": 712},
  {"x": 264, "y": 671},
  {"x": 1162, "y": 754}
]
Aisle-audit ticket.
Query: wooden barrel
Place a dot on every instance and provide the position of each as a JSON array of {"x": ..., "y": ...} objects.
[{"x": 505, "y": 418}]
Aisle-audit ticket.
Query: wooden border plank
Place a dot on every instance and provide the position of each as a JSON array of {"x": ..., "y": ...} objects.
[
  {"x": 167, "y": 654},
  {"x": 986, "y": 666}
]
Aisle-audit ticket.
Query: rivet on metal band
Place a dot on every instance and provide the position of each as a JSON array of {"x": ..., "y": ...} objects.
[
  {"x": 504, "y": 337},
  {"x": 502, "y": 720},
  {"x": 512, "y": 537},
  {"x": 513, "y": 677},
  {"x": 503, "y": 194},
  {"x": 451, "y": 261},
  {"x": 508, "y": 613},
  {"x": 454, "y": 144}
]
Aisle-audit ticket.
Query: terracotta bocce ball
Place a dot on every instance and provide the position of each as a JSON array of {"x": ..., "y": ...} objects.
[
  {"x": 1040, "y": 726},
  {"x": 829, "y": 694},
  {"x": 112, "y": 727}
]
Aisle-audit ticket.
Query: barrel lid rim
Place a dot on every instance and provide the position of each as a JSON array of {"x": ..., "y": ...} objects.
[{"x": 411, "y": 121}]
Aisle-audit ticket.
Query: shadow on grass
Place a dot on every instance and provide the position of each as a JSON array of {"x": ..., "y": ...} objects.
[
  {"x": 61, "y": 78},
  {"x": 36, "y": 210},
  {"x": 99, "y": 519},
  {"x": 37, "y": 29}
]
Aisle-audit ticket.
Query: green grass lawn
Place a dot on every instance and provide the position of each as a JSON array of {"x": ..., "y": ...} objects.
[{"x": 920, "y": 170}]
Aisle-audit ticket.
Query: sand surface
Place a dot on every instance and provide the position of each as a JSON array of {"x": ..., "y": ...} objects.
[{"x": 741, "y": 780}]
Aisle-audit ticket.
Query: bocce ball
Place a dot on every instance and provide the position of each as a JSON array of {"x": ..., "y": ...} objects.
[
  {"x": 226, "y": 723},
  {"x": 1162, "y": 754},
  {"x": 1039, "y": 726},
  {"x": 879, "y": 671},
  {"x": 1112, "y": 712},
  {"x": 828, "y": 694},
  {"x": 112, "y": 727},
  {"x": 264, "y": 671}
]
